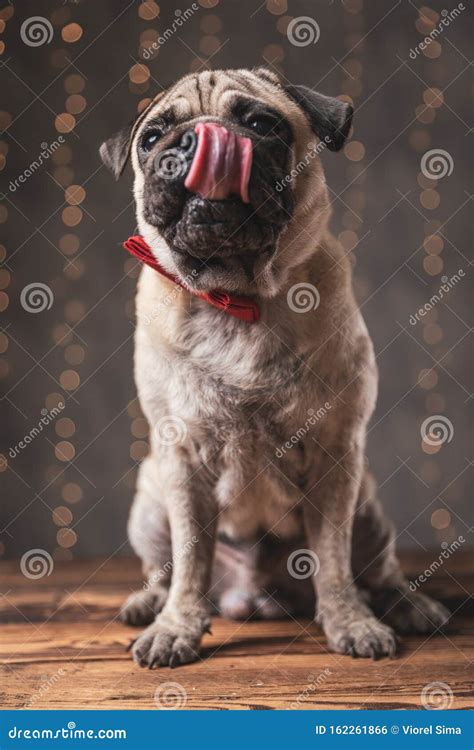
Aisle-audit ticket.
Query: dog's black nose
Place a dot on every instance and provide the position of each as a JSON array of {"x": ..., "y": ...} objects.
[
  {"x": 188, "y": 143},
  {"x": 174, "y": 163}
]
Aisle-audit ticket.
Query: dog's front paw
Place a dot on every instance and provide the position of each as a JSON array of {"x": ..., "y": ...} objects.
[
  {"x": 170, "y": 641},
  {"x": 365, "y": 637}
]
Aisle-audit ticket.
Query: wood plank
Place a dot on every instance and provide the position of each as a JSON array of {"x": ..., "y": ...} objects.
[{"x": 62, "y": 647}]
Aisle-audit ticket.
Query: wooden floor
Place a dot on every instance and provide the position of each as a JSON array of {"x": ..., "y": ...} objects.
[{"x": 61, "y": 646}]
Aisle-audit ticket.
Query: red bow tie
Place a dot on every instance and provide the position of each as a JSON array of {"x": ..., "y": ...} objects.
[{"x": 242, "y": 308}]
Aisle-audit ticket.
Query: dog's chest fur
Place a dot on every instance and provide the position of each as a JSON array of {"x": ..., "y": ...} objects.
[{"x": 238, "y": 390}]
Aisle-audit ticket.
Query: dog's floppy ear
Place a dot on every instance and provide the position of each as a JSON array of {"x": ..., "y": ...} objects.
[
  {"x": 115, "y": 151},
  {"x": 329, "y": 118}
]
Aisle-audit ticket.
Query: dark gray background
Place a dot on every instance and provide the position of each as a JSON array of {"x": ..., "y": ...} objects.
[{"x": 78, "y": 508}]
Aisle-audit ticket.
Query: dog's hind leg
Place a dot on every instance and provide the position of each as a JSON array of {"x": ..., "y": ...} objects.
[
  {"x": 149, "y": 534},
  {"x": 376, "y": 568},
  {"x": 251, "y": 579}
]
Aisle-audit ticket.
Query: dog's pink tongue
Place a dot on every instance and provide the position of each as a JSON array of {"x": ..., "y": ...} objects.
[{"x": 221, "y": 165}]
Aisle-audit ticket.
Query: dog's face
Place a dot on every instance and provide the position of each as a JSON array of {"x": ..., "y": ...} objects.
[{"x": 212, "y": 157}]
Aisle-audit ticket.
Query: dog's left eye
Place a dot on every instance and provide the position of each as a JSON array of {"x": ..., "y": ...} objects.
[
  {"x": 263, "y": 124},
  {"x": 150, "y": 139}
]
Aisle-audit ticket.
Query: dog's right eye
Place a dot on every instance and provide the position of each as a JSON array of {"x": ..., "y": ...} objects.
[
  {"x": 263, "y": 124},
  {"x": 150, "y": 139}
]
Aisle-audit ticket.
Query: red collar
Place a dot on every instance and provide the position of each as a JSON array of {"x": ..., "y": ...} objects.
[{"x": 242, "y": 308}]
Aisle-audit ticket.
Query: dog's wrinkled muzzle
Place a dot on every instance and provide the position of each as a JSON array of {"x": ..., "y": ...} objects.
[{"x": 221, "y": 165}]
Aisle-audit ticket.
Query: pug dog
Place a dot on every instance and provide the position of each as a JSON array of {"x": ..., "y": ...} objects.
[{"x": 257, "y": 376}]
